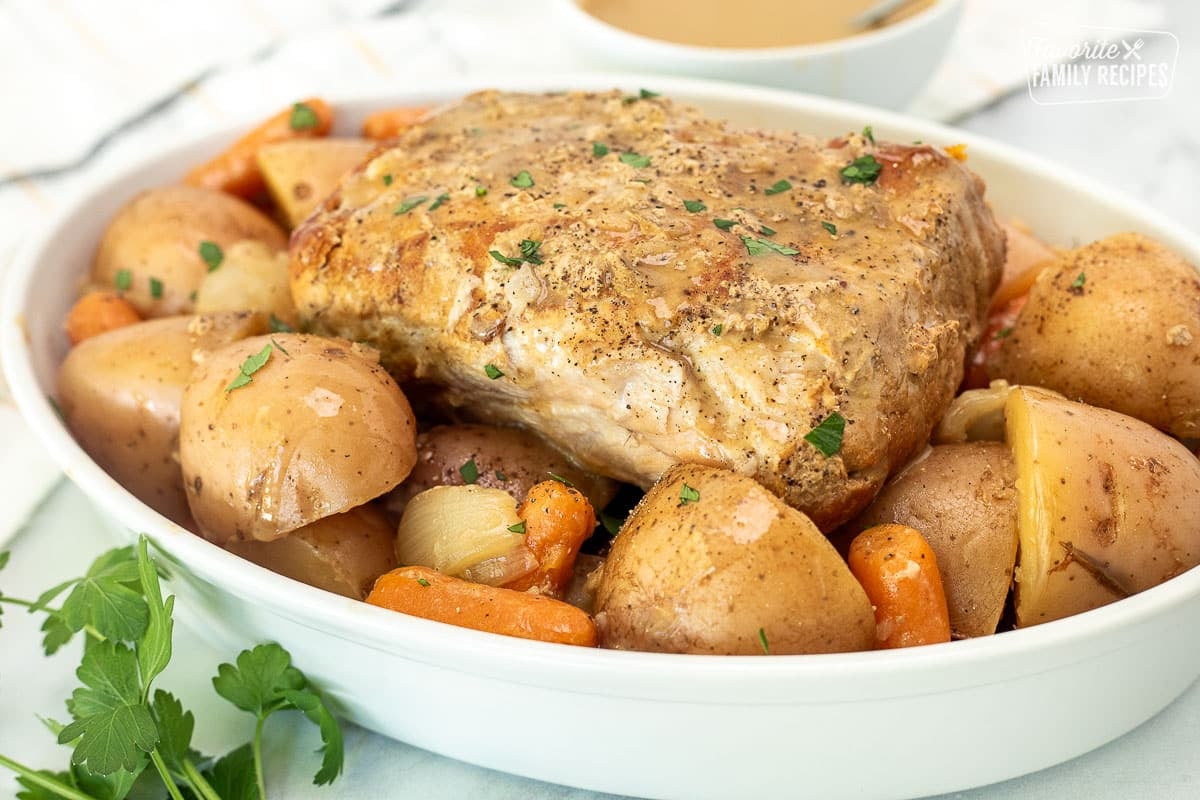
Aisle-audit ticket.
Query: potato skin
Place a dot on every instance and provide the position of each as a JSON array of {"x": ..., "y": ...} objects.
[
  {"x": 705, "y": 577},
  {"x": 321, "y": 428},
  {"x": 158, "y": 235},
  {"x": 120, "y": 394},
  {"x": 343, "y": 553},
  {"x": 522, "y": 457},
  {"x": 1127, "y": 338},
  {"x": 1109, "y": 506},
  {"x": 963, "y": 500}
]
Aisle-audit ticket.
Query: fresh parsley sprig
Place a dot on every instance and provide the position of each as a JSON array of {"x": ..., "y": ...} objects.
[{"x": 119, "y": 729}]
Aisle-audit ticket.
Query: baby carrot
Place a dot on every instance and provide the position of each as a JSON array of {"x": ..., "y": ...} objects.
[
  {"x": 99, "y": 312},
  {"x": 236, "y": 170},
  {"x": 557, "y": 520},
  {"x": 424, "y": 592},
  {"x": 392, "y": 122},
  {"x": 899, "y": 572}
]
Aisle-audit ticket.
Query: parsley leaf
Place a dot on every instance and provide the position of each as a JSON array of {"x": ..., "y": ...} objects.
[
  {"x": 611, "y": 524},
  {"x": 529, "y": 251},
  {"x": 869, "y": 133},
  {"x": 439, "y": 201},
  {"x": 724, "y": 224},
  {"x": 175, "y": 727},
  {"x": 518, "y": 527},
  {"x": 104, "y": 599},
  {"x": 424, "y": 582},
  {"x": 635, "y": 160},
  {"x": 303, "y": 118},
  {"x": 522, "y": 180},
  {"x": 154, "y": 648},
  {"x": 864, "y": 169},
  {"x": 251, "y": 365},
  {"x": 481, "y": 191},
  {"x": 1079, "y": 281},
  {"x": 276, "y": 325},
  {"x": 688, "y": 495},
  {"x": 717, "y": 329},
  {"x": 469, "y": 471},
  {"x": 387, "y": 179},
  {"x": 123, "y": 280},
  {"x": 827, "y": 437},
  {"x": 212, "y": 254},
  {"x": 492, "y": 371},
  {"x": 830, "y": 227},
  {"x": 232, "y": 777},
  {"x": 694, "y": 206},
  {"x": 599, "y": 149},
  {"x": 762, "y": 641},
  {"x": 409, "y": 204},
  {"x": 1003, "y": 333},
  {"x": 781, "y": 185},
  {"x": 259, "y": 679},
  {"x": 561, "y": 480},
  {"x": 333, "y": 754},
  {"x": 503, "y": 259},
  {"x": 112, "y": 724},
  {"x": 156, "y": 288},
  {"x": 765, "y": 231},
  {"x": 643, "y": 94},
  {"x": 760, "y": 247}
]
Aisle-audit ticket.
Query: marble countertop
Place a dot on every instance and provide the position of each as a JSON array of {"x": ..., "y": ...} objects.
[{"x": 1148, "y": 149}]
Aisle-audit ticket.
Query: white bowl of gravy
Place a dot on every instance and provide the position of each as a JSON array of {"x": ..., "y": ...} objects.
[{"x": 810, "y": 46}]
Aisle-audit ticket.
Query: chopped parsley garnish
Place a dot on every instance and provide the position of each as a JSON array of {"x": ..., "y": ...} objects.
[
  {"x": 529, "y": 251},
  {"x": 760, "y": 247},
  {"x": 716, "y": 329},
  {"x": 1079, "y": 281},
  {"x": 762, "y": 640},
  {"x": 864, "y": 169},
  {"x": 561, "y": 480},
  {"x": 212, "y": 254},
  {"x": 635, "y": 160},
  {"x": 829, "y": 226},
  {"x": 599, "y": 149},
  {"x": 643, "y": 94},
  {"x": 611, "y": 524},
  {"x": 518, "y": 528},
  {"x": 827, "y": 437},
  {"x": 560, "y": 205},
  {"x": 280, "y": 347},
  {"x": 492, "y": 371},
  {"x": 423, "y": 582},
  {"x": 868, "y": 133},
  {"x": 469, "y": 471},
  {"x": 694, "y": 206},
  {"x": 439, "y": 201},
  {"x": 522, "y": 180},
  {"x": 276, "y": 325},
  {"x": 781, "y": 185},
  {"x": 503, "y": 259},
  {"x": 500, "y": 476},
  {"x": 765, "y": 231},
  {"x": 303, "y": 118},
  {"x": 724, "y": 224},
  {"x": 1003, "y": 333},
  {"x": 409, "y": 204},
  {"x": 156, "y": 288},
  {"x": 688, "y": 495},
  {"x": 387, "y": 179},
  {"x": 481, "y": 191},
  {"x": 251, "y": 365},
  {"x": 123, "y": 280}
]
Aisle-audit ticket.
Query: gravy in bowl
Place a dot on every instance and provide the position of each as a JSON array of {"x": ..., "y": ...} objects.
[{"x": 746, "y": 24}]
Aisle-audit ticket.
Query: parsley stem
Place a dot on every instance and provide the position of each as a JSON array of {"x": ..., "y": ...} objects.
[
  {"x": 32, "y": 606},
  {"x": 159, "y": 765},
  {"x": 197, "y": 781},
  {"x": 256, "y": 747},
  {"x": 45, "y": 781},
  {"x": 16, "y": 601}
]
